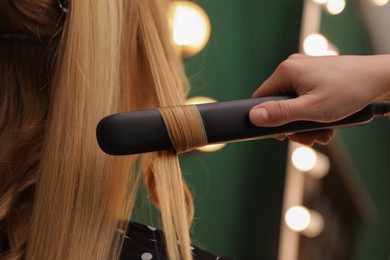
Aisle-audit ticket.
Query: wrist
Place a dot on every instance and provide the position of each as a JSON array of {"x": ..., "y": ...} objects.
[{"x": 382, "y": 88}]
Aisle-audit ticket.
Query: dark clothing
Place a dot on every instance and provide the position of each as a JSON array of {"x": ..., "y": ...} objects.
[{"x": 147, "y": 243}]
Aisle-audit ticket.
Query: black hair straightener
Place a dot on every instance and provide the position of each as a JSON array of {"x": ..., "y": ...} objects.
[{"x": 144, "y": 131}]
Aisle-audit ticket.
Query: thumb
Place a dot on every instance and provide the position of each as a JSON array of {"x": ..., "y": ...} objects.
[{"x": 280, "y": 112}]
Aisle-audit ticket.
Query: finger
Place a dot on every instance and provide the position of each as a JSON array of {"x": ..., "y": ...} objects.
[
  {"x": 323, "y": 137},
  {"x": 280, "y": 112},
  {"x": 280, "y": 82}
]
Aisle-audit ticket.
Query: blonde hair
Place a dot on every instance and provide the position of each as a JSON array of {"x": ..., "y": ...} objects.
[{"x": 60, "y": 196}]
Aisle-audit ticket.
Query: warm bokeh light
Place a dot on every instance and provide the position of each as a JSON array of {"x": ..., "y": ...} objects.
[
  {"x": 304, "y": 158},
  {"x": 211, "y": 148},
  {"x": 312, "y": 162},
  {"x": 202, "y": 100},
  {"x": 297, "y": 218},
  {"x": 316, "y": 225},
  {"x": 380, "y": 2},
  {"x": 315, "y": 45},
  {"x": 321, "y": 168},
  {"x": 191, "y": 27},
  {"x": 199, "y": 100},
  {"x": 331, "y": 53},
  {"x": 321, "y": 2},
  {"x": 308, "y": 222},
  {"x": 335, "y": 6}
]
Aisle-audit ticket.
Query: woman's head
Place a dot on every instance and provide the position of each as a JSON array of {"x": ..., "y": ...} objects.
[
  {"x": 41, "y": 18},
  {"x": 61, "y": 197}
]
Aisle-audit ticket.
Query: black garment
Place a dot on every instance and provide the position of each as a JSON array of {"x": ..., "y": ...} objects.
[{"x": 147, "y": 243}]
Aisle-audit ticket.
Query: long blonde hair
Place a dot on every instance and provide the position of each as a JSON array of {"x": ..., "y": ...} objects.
[{"x": 60, "y": 196}]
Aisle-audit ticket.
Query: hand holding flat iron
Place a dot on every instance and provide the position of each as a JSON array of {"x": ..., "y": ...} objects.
[{"x": 328, "y": 89}]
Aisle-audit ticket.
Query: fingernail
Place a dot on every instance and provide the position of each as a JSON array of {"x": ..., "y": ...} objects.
[{"x": 259, "y": 116}]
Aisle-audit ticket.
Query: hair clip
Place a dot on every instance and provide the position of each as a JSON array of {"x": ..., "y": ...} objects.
[{"x": 64, "y": 5}]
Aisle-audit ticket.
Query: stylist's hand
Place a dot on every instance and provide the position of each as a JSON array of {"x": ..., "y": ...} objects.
[{"x": 328, "y": 89}]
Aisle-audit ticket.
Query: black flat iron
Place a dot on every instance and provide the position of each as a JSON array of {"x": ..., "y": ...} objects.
[{"x": 144, "y": 131}]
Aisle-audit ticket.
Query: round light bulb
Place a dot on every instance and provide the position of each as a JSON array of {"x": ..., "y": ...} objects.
[
  {"x": 297, "y": 218},
  {"x": 190, "y": 27},
  {"x": 304, "y": 158},
  {"x": 307, "y": 222},
  {"x": 380, "y": 2},
  {"x": 315, "y": 45},
  {"x": 335, "y": 6}
]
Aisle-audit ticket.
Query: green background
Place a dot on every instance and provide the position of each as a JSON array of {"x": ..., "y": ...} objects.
[
  {"x": 368, "y": 145},
  {"x": 238, "y": 190}
]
